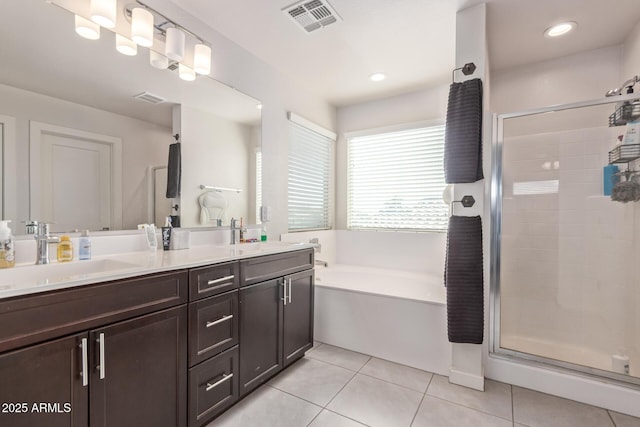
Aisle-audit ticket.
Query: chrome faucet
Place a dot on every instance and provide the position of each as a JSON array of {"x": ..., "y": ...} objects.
[
  {"x": 43, "y": 239},
  {"x": 235, "y": 229}
]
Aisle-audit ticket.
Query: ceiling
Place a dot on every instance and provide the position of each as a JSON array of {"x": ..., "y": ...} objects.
[{"x": 412, "y": 41}]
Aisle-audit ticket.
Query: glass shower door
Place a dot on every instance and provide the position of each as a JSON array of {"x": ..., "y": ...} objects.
[{"x": 567, "y": 282}]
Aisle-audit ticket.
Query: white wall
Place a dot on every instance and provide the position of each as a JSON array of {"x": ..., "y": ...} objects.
[
  {"x": 215, "y": 152},
  {"x": 238, "y": 68},
  {"x": 631, "y": 56},
  {"x": 143, "y": 144}
]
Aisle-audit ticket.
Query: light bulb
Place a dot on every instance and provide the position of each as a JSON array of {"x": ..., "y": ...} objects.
[
  {"x": 174, "y": 45},
  {"x": 126, "y": 46},
  {"x": 87, "y": 29},
  {"x": 103, "y": 12},
  {"x": 186, "y": 73},
  {"x": 157, "y": 60},
  {"x": 202, "y": 59},
  {"x": 142, "y": 27}
]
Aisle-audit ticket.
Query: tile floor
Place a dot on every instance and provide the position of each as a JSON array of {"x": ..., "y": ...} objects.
[{"x": 334, "y": 387}]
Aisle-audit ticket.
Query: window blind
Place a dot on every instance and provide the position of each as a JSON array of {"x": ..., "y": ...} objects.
[
  {"x": 396, "y": 180},
  {"x": 309, "y": 179}
]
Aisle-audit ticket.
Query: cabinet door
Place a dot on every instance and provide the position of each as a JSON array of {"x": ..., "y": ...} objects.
[
  {"x": 260, "y": 333},
  {"x": 42, "y": 385},
  {"x": 298, "y": 316},
  {"x": 139, "y": 373}
]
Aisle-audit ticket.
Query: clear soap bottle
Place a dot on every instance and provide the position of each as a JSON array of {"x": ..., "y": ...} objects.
[
  {"x": 65, "y": 249},
  {"x": 84, "y": 248},
  {"x": 7, "y": 255}
]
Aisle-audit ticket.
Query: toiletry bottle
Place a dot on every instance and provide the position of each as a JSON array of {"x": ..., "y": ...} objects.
[
  {"x": 65, "y": 249},
  {"x": 263, "y": 234},
  {"x": 242, "y": 231},
  {"x": 609, "y": 178},
  {"x": 84, "y": 251},
  {"x": 7, "y": 258}
]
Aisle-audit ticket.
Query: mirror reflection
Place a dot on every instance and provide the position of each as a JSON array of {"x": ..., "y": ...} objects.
[{"x": 93, "y": 128}]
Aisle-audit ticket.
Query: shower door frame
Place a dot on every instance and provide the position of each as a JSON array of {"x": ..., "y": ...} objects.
[{"x": 495, "y": 244}]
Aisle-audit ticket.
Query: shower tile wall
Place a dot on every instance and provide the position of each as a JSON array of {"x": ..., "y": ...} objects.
[{"x": 569, "y": 279}]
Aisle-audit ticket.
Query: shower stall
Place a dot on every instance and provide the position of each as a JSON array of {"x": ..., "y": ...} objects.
[{"x": 565, "y": 261}]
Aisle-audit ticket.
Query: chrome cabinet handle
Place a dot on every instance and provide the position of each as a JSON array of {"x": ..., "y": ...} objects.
[
  {"x": 85, "y": 363},
  {"x": 290, "y": 280},
  {"x": 101, "y": 351},
  {"x": 222, "y": 319},
  {"x": 217, "y": 383},
  {"x": 222, "y": 279},
  {"x": 284, "y": 285}
]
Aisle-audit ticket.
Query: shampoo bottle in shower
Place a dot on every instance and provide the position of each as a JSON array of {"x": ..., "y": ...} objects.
[
  {"x": 7, "y": 255},
  {"x": 609, "y": 178}
]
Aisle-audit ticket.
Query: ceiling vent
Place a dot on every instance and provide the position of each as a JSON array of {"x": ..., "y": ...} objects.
[
  {"x": 149, "y": 97},
  {"x": 311, "y": 15}
]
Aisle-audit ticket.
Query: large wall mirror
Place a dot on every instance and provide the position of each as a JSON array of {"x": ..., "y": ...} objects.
[{"x": 90, "y": 154}]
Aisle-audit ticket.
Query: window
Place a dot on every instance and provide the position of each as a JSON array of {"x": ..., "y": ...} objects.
[
  {"x": 396, "y": 180},
  {"x": 310, "y": 173}
]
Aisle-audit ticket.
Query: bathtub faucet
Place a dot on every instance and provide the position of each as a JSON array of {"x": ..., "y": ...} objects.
[{"x": 322, "y": 263}]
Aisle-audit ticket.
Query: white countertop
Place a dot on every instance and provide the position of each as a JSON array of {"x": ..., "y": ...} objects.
[{"x": 28, "y": 279}]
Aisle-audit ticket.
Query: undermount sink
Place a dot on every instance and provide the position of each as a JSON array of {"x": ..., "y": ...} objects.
[{"x": 59, "y": 272}]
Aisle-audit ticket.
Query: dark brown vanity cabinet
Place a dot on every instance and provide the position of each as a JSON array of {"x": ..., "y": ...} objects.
[
  {"x": 108, "y": 372},
  {"x": 276, "y": 315}
]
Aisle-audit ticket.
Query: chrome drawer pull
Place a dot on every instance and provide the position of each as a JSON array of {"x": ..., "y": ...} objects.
[
  {"x": 101, "y": 366},
  {"x": 222, "y": 279},
  {"x": 217, "y": 383},
  {"x": 85, "y": 363},
  {"x": 222, "y": 319}
]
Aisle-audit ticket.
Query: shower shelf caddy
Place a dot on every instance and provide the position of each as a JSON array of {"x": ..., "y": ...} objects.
[
  {"x": 627, "y": 112},
  {"x": 624, "y": 153}
]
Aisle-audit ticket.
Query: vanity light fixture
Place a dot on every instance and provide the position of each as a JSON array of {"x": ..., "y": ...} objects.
[
  {"x": 126, "y": 46},
  {"x": 186, "y": 73},
  {"x": 202, "y": 59},
  {"x": 142, "y": 27},
  {"x": 103, "y": 12},
  {"x": 174, "y": 44},
  {"x": 87, "y": 29},
  {"x": 158, "y": 60},
  {"x": 560, "y": 29},
  {"x": 377, "y": 77}
]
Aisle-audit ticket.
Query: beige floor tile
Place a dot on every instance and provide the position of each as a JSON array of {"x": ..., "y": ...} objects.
[
  {"x": 623, "y": 420},
  {"x": 436, "y": 412},
  {"x": 494, "y": 400},
  {"x": 313, "y": 380},
  {"x": 376, "y": 403},
  {"x": 412, "y": 378},
  {"x": 536, "y": 409},
  {"x": 331, "y": 419},
  {"x": 339, "y": 356}
]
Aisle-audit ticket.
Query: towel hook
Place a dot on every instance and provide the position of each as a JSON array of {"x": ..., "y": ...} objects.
[
  {"x": 466, "y": 201},
  {"x": 467, "y": 69}
]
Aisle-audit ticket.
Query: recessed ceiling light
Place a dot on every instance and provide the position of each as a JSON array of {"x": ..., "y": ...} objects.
[
  {"x": 377, "y": 77},
  {"x": 560, "y": 29},
  {"x": 259, "y": 106}
]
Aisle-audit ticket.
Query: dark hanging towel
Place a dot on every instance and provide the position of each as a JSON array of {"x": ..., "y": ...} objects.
[
  {"x": 174, "y": 170},
  {"x": 463, "y": 133},
  {"x": 464, "y": 280}
]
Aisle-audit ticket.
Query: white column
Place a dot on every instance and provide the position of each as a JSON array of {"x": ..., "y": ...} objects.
[{"x": 467, "y": 367}]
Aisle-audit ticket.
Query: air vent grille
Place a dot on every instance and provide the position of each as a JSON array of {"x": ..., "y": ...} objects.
[
  {"x": 150, "y": 98},
  {"x": 312, "y": 15}
]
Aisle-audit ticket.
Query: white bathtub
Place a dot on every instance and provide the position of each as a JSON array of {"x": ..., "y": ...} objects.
[{"x": 394, "y": 315}]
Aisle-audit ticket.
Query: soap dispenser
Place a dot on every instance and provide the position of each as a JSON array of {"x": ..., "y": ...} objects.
[
  {"x": 65, "y": 249},
  {"x": 7, "y": 255}
]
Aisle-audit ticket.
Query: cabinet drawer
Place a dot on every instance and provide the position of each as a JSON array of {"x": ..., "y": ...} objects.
[
  {"x": 213, "y": 387},
  {"x": 208, "y": 281},
  {"x": 259, "y": 269},
  {"x": 213, "y": 326},
  {"x": 33, "y": 318}
]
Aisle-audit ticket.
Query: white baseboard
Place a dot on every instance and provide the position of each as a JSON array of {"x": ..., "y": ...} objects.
[{"x": 466, "y": 379}]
